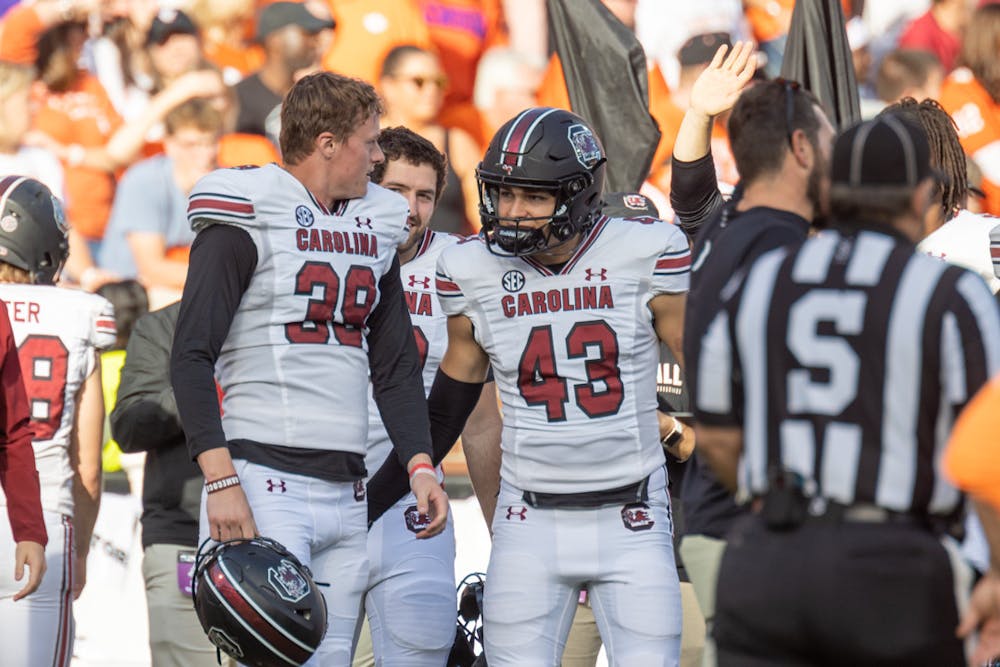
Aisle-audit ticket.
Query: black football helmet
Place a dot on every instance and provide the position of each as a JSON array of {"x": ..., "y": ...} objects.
[
  {"x": 258, "y": 603},
  {"x": 541, "y": 149},
  {"x": 467, "y": 651},
  {"x": 33, "y": 230}
]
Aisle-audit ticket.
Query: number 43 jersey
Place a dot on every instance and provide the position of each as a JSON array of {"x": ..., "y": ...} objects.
[
  {"x": 58, "y": 334},
  {"x": 573, "y": 351},
  {"x": 294, "y": 366}
]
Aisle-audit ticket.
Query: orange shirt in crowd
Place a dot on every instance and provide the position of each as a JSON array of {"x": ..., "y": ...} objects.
[
  {"x": 246, "y": 59},
  {"x": 769, "y": 19},
  {"x": 978, "y": 119},
  {"x": 466, "y": 117},
  {"x": 462, "y": 30},
  {"x": 19, "y": 33},
  {"x": 367, "y": 30},
  {"x": 238, "y": 149},
  {"x": 972, "y": 459},
  {"x": 82, "y": 115},
  {"x": 553, "y": 93}
]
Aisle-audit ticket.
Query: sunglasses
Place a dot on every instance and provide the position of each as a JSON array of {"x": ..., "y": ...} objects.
[
  {"x": 441, "y": 82},
  {"x": 790, "y": 88}
]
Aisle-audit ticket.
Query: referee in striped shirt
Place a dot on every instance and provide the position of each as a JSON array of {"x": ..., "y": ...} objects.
[{"x": 827, "y": 387}]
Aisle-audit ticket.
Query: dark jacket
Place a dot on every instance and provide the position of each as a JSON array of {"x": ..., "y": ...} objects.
[{"x": 145, "y": 420}]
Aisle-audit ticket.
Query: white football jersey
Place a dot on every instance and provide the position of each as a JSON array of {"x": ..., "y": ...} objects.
[
  {"x": 430, "y": 329},
  {"x": 58, "y": 333},
  {"x": 574, "y": 353},
  {"x": 295, "y": 363},
  {"x": 965, "y": 241}
]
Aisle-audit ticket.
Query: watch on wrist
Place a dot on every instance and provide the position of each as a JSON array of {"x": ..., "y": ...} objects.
[{"x": 676, "y": 434}]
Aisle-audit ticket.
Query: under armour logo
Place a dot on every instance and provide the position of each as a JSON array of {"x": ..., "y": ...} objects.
[
  {"x": 363, "y": 222},
  {"x": 273, "y": 486},
  {"x": 519, "y": 511},
  {"x": 424, "y": 282},
  {"x": 601, "y": 274}
]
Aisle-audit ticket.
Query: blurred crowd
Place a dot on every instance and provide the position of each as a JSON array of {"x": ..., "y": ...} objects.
[{"x": 122, "y": 105}]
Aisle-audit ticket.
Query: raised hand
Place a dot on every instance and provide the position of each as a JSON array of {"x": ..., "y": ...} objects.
[{"x": 717, "y": 88}]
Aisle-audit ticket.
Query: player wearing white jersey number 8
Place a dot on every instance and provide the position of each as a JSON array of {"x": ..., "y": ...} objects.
[
  {"x": 293, "y": 293},
  {"x": 567, "y": 305},
  {"x": 59, "y": 333}
]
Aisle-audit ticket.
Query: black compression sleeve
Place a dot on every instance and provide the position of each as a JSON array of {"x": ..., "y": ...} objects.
[
  {"x": 694, "y": 192},
  {"x": 397, "y": 377},
  {"x": 449, "y": 406},
  {"x": 223, "y": 261}
]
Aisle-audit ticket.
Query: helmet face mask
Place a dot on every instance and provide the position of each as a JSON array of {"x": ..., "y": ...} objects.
[
  {"x": 33, "y": 229},
  {"x": 258, "y": 603},
  {"x": 545, "y": 149}
]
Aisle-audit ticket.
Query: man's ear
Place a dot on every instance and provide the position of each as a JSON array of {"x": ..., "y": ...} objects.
[
  {"x": 803, "y": 151},
  {"x": 326, "y": 145}
]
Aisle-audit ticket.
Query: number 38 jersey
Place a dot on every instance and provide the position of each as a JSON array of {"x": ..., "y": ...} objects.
[
  {"x": 297, "y": 340},
  {"x": 574, "y": 352},
  {"x": 430, "y": 329},
  {"x": 58, "y": 333}
]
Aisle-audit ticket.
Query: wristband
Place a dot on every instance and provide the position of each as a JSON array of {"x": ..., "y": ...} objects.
[
  {"x": 222, "y": 483},
  {"x": 422, "y": 469}
]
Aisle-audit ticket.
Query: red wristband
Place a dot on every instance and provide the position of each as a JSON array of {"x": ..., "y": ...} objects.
[{"x": 422, "y": 469}]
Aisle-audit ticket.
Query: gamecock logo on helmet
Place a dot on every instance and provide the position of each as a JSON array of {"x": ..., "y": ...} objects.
[
  {"x": 588, "y": 151},
  {"x": 287, "y": 582},
  {"x": 636, "y": 516}
]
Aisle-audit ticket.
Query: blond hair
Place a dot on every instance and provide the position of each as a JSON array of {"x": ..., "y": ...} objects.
[{"x": 12, "y": 274}]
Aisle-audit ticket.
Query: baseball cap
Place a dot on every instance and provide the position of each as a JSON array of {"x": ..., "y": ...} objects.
[
  {"x": 277, "y": 15},
  {"x": 886, "y": 152},
  {"x": 700, "y": 49},
  {"x": 170, "y": 22}
]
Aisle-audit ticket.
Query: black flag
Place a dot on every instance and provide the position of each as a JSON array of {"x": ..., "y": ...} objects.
[
  {"x": 608, "y": 84},
  {"x": 818, "y": 56}
]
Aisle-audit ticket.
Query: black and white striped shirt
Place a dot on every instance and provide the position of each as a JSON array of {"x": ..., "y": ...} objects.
[{"x": 847, "y": 359}]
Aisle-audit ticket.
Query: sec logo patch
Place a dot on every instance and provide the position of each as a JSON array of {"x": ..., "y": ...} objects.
[
  {"x": 512, "y": 281},
  {"x": 304, "y": 216}
]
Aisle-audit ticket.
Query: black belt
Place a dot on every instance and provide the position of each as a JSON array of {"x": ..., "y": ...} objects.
[{"x": 622, "y": 495}]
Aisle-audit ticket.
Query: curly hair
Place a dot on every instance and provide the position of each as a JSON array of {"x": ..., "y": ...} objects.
[{"x": 400, "y": 143}]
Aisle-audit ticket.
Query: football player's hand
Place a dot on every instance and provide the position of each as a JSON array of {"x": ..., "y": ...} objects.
[
  {"x": 31, "y": 554},
  {"x": 229, "y": 515},
  {"x": 79, "y": 573},
  {"x": 717, "y": 88},
  {"x": 983, "y": 611},
  {"x": 432, "y": 501}
]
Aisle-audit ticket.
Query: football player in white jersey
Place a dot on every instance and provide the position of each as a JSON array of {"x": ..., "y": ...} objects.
[
  {"x": 567, "y": 306},
  {"x": 410, "y": 601},
  {"x": 59, "y": 334},
  {"x": 293, "y": 297}
]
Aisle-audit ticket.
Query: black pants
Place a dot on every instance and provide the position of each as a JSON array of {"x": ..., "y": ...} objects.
[{"x": 837, "y": 594}]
